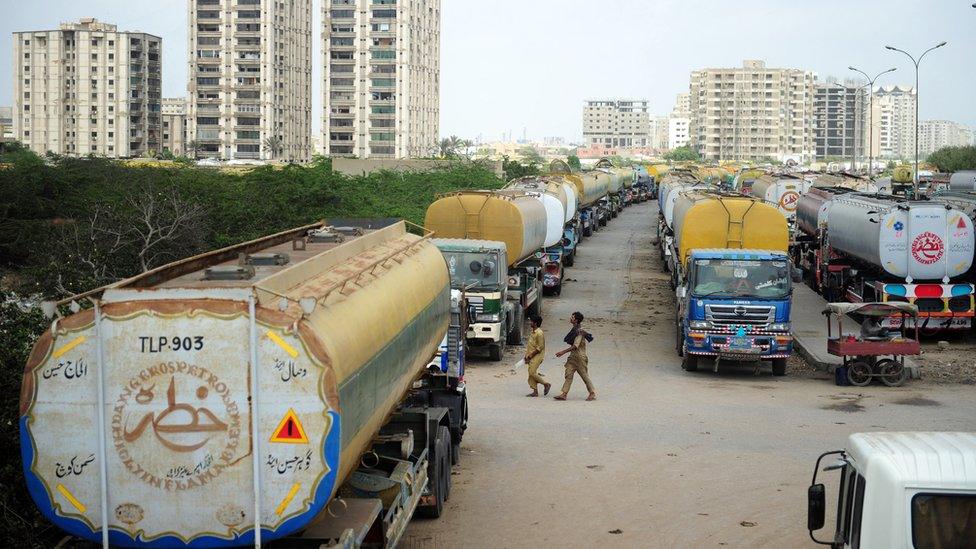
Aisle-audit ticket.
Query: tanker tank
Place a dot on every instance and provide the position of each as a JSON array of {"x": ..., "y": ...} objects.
[
  {"x": 963, "y": 181},
  {"x": 813, "y": 208},
  {"x": 512, "y": 217},
  {"x": 914, "y": 240},
  {"x": 561, "y": 188},
  {"x": 555, "y": 211},
  {"x": 252, "y": 376},
  {"x": 782, "y": 192},
  {"x": 713, "y": 220}
]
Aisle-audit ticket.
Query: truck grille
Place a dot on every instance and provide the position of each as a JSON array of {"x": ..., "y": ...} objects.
[{"x": 740, "y": 315}]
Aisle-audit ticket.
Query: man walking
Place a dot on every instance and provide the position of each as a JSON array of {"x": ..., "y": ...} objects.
[
  {"x": 578, "y": 361},
  {"x": 535, "y": 351}
]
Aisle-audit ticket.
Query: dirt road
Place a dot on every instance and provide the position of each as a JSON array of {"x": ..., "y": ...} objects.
[{"x": 664, "y": 458}]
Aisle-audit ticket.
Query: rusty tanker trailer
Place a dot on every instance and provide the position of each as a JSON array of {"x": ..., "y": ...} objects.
[{"x": 225, "y": 400}]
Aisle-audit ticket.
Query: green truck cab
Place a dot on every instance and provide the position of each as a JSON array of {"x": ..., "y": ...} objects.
[{"x": 498, "y": 297}]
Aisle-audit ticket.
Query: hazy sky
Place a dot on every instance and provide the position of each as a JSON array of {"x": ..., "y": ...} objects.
[{"x": 513, "y": 64}]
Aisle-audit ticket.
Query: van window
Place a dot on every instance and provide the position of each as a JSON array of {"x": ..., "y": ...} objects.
[{"x": 943, "y": 520}]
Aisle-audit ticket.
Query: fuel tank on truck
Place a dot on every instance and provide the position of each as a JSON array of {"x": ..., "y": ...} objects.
[
  {"x": 914, "y": 240},
  {"x": 670, "y": 194},
  {"x": 613, "y": 181},
  {"x": 567, "y": 192},
  {"x": 963, "y": 181},
  {"x": 555, "y": 186},
  {"x": 712, "y": 220},
  {"x": 255, "y": 374},
  {"x": 626, "y": 176},
  {"x": 671, "y": 181},
  {"x": 780, "y": 191},
  {"x": 813, "y": 209},
  {"x": 512, "y": 217},
  {"x": 555, "y": 212},
  {"x": 590, "y": 187}
]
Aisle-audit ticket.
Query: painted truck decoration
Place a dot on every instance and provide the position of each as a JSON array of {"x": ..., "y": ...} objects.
[{"x": 227, "y": 405}]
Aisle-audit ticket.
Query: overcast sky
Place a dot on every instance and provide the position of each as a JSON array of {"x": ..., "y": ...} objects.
[{"x": 509, "y": 65}]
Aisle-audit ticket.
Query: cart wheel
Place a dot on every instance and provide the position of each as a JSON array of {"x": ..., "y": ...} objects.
[
  {"x": 859, "y": 373},
  {"x": 893, "y": 373}
]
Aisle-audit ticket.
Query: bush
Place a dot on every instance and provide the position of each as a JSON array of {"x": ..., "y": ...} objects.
[{"x": 954, "y": 159}]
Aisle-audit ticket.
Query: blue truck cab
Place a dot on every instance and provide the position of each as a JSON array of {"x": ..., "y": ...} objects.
[{"x": 735, "y": 304}]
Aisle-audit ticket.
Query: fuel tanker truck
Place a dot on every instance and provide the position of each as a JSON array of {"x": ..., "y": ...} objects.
[
  {"x": 812, "y": 214},
  {"x": 229, "y": 399},
  {"x": 657, "y": 172},
  {"x": 885, "y": 248},
  {"x": 489, "y": 240},
  {"x": 564, "y": 190},
  {"x": 672, "y": 186},
  {"x": 591, "y": 188},
  {"x": 553, "y": 197},
  {"x": 734, "y": 283},
  {"x": 781, "y": 191}
]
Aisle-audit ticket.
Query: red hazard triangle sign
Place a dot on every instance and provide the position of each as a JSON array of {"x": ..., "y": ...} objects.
[
  {"x": 290, "y": 430},
  {"x": 961, "y": 224}
]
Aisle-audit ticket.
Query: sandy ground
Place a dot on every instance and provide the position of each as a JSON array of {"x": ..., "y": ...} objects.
[{"x": 664, "y": 458}]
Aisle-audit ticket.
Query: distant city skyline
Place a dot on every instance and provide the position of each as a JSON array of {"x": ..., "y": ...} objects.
[{"x": 514, "y": 66}]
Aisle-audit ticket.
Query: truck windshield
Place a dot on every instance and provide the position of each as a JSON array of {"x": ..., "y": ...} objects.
[
  {"x": 474, "y": 270},
  {"x": 741, "y": 278},
  {"x": 943, "y": 520}
]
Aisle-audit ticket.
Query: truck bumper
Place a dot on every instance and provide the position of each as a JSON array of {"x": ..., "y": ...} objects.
[
  {"x": 484, "y": 332},
  {"x": 761, "y": 346}
]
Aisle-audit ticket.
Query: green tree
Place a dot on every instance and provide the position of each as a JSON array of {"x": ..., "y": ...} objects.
[
  {"x": 274, "y": 145},
  {"x": 574, "y": 162},
  {"x": 193, "y": 146},
  {"x": 514, "y": 169},
  {"x": 683, "y": 154},
  {"x": 531, "y": 156},
  {"x": 954, "y": 159}
]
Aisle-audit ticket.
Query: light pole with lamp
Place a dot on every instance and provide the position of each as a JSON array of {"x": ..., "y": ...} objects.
[
  {"x": 916, "y": 63},
  {"x": 870, "y": 86}
]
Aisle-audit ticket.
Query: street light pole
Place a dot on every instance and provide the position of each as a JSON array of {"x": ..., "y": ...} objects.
[
  {"x": 870, "y": 84},
  {"x": 916, "y": 63}
]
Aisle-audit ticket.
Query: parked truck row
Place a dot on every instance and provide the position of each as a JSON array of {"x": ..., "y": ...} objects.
[{"x": 508, "y": 248}]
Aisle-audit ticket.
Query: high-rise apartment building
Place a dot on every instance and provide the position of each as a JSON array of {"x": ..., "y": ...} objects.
[
  {"x": 617, "y": 123},
  {"x": 936, "y": 134},
  {"x": 752, "y": 112},
  {"x": 174, "y": 126},
  {"x": 894, "y": 122},
  {"x": 837, "y": 112},
  {"x": 679, "y": 122},
  {"x": 6, "y": 123},
  {"x": 381, "y": 79},
  {"x": 250, "y": 79},
  {"x": 87, "y": 88}
]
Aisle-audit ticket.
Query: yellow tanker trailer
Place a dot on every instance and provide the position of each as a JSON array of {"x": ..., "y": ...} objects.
[
  {"x": 240, "y": 390},
  {"x": 481, "y": 233}
]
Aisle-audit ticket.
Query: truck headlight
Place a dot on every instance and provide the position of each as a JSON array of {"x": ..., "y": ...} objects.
[
  {"x": 486, "y": 317},
  {"x": 779, "y": 327},
  {"x": 699, "y": 324}
]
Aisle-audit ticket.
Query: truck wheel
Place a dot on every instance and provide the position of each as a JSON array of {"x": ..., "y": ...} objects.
[
  {"x": 588, "y": 231},
  {"x": 495, "y": 351},
  {"x": 690, "y": 363},
  {"x": 435, "y": 479},
  {"x": 514, "y": 336},
  {"x": 444, "y": 440},
  {"x": 570, "y": 259},
  {"x": 779, "y": 366}
]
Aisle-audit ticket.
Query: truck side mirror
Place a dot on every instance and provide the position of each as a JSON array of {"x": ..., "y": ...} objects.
[
  {"x": 472, "y": 312},
  {"x": 816, "y": 507}
]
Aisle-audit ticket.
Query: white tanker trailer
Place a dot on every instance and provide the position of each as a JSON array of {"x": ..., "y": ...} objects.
[
  {"x": 882, "y": 248},
  {"x": 226, "y": 399}
]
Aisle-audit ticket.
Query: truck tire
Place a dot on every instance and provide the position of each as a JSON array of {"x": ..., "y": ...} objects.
[
  {"x": 689, "y": 363},
  {"x": 435, "y": 479},
  {"x": 570, "y": 259},
  {"x": 495, "y": 351},
  {"x": 444, "y": 440},
  {"x": 779, "y": 366},
  {"x": 588, "y": 231},
  {"x": 558, "y": 290},
  {"x": 514, "y": 335}
]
